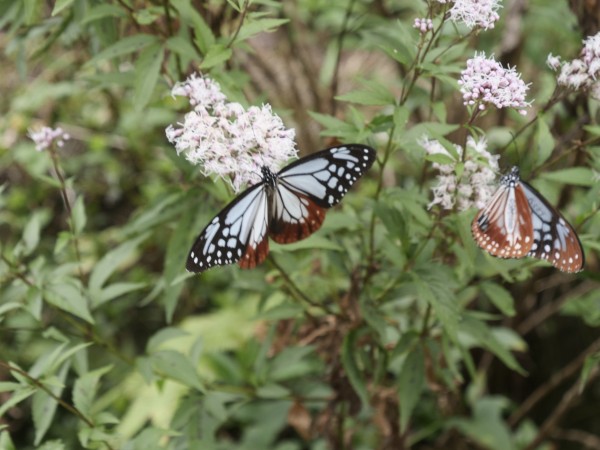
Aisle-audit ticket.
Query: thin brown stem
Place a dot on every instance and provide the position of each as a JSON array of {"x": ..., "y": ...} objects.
[{"x": 557, "y": 379}]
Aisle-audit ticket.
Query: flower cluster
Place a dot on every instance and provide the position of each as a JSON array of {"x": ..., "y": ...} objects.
[
  {"x": 581, "y": 73},
  {"x": 423, "y": 25},
  {"x": 475, "y": 186},
  {"x": 475, "y": 13},
  {"x": 485, "y": 81},
  {"x": 225, "y": 138},
  {"x": 46, "y": 137}
]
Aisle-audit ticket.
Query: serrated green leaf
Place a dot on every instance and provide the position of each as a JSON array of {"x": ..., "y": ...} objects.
[
  {"x": 485, "y": 338},
  {"x": 60, "y": 5},
  {"x": 147, "y": 71},
  {"x": 43, "y": 405},
  {"x": 374, "y": 93},
  {"x": 349, "y": 349},
  {"x": 176, "y": 366},
  {"x": 500, "y": 297},
  {"x": 182, "y": 47},
  {"x": 110, "y": 263},
  {"x": 31, "y": 233},
  {"x": 545, "y": 141},
  {"x": 124, "y": 46},
  {"x": 190, "y": 16},
  {"x": 162, "y": 336},
  {"x": 216, "y": 55},
  {"x": 101, "y": 11},
  {"x": 16, "y": 397},
  {"x": 272, "y": 391},
  {"x": 254, "y": 26},
  {"x": 115, "y": 290},
  {"x": 579, "y": 176},
  {"x": 69, "y": 298},
  {"x": 410, "y": 384},
  {"x": 85, "y": 389},
  {"x": 440, "y": 158},
  {"x": 436, "y": 285},
  {"x": 6, "y": 442},
  {"x": 78, "y": 215}
]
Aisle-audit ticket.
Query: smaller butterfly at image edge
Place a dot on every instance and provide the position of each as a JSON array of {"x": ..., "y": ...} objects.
[
  {"x": 286, "y": 206},
  {"x": 518, "y": 221}
]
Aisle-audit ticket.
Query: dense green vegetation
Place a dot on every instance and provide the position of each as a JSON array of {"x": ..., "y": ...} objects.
[{"x": 389, "y": 328}]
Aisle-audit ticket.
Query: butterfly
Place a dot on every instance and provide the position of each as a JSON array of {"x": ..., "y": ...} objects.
[
  {"x": 519, "y": 222},
  {"x": 287, "y": 206}
]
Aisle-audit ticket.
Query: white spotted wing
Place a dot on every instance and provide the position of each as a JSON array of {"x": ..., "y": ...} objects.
[{"x": 287, "y": 206}]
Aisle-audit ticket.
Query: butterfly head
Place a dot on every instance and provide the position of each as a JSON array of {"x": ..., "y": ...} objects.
[
  {"x": 268, "y": 177},
  {"x": 511, "y": 178}
]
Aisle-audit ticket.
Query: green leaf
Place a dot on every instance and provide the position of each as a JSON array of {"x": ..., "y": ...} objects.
[
  {"x": 590, "y": 363},
  {"x": 44, "y": 406},
  {"x": 487, "y": 426},
  {"x": 349, "y": 351},
  {"x": 375, "y": 94},
  {"x": 579, "y": 176},
  {"x": 436, "y": 285},
  {"x": 410, "y": 384},
  {"x": 124, "y": 46},
  {"x": 16, "y": 397},
  {"x": 440, "y": 158},
  {"x": 216, "y": 55},
  {"x": 188, "y": 14},
  {"x": 182, "y": 47},
  {"x": 254, "y": 26},
  {"x": 85, "y": 388},
  {"x": 176, "y": 366},
  {"x": 545, "y": 141},
  {"x": 60, "y": 5},
  {"x": 31, "y": 233},
  {"x": 69, "y": 298},
  {"x": 78, "y": 215},
  {"x": 163, "y": 335},
  {"x": 483, "y": 336},
  {"x": 115, "y": 290},
  {"x": 500, "y": 297},
  {"x": 272, "y": 391},
  {"x": 147, "y": 71},
  {"x": 110, "y": 263},
  {"x": 101, "y": 11},
  {"x": 6, "y": 442}
]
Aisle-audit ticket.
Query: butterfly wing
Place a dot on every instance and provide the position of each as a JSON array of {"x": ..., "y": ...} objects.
[
  {"x": 504, "y": 226},
  {"x": 554, "y": 239},
  {"x": 307, "y": 187},
  {"x": 238, "y": 233}
]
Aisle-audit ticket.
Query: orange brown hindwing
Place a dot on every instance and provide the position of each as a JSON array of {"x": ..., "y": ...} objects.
[
  {"x": 284, "y": 232},
  {"x": 504, "y": 227}
]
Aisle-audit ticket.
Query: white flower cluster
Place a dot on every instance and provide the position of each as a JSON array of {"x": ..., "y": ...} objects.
[
  {"x": 225, "y": 138},
  {"x": 485, "y": 81},
  {"x": 580, "y": 73},
  {"x": 475, "y": 186},
  {"x": 46, "y": 136},
  {"x": 475, "y": 13},
  {"x": 423, "y": 25}
]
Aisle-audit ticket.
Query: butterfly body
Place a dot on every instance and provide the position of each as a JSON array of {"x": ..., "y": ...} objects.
[
  {"x": 519, "y": 222},
  {"x": 287, "y": 206}
]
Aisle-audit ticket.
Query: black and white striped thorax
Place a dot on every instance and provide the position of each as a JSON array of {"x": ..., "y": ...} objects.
[{"x": 287, "y": 206}]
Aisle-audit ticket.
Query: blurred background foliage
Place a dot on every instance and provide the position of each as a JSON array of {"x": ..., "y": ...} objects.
[{"x": 387, "y": 329}]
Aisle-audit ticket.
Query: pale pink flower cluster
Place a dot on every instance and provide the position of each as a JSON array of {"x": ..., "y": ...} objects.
[
  {"x": 45, "y": 137},
  {"x": 485, "y": 81},
  {"x": 476, "y": 13},
  {"x": 423, "y": 25},
  {"x": 226, "y": 139},
  {"x": 581, "y": 73},
  {"x": 475, "y": 185}
]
